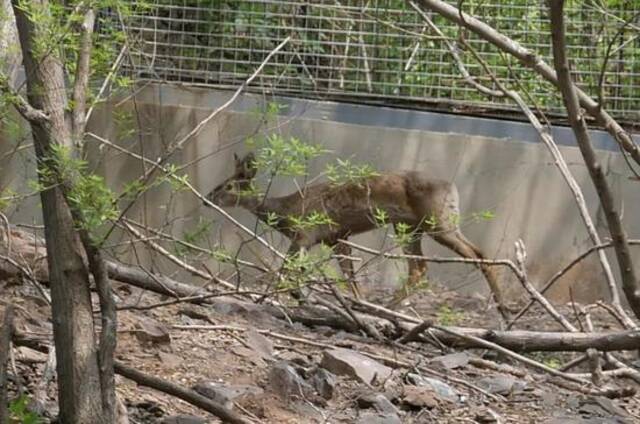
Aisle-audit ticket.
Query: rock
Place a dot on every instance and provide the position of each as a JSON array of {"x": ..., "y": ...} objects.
[
  {"x": 259, "y": 343},
  {"x": 353, "y": 364},
  {"x": 183, "y": 419},
  {"x": 580, "y": 420},
  {"x": 442, "y": 389},
  {"x": 285, "y": 381},
  {"x": 370, "y": 418},
  {"x": 502, "y": 384},
  {"x": 152, "y": 331},
  {"x": 487, "y": 416},
  {"x": 250, "y": 354},
  {"x": 602, "y": 406},
  {"x": 294, "y": 358},
  {"x": 226, "y": 394},
  {"x": 420, "y": 397},
  {"x": 170, "y": 360},
  {"x": 324, "y": 382},
  {"x": 377, "y": 401},
  {"x": 29, "y": 356},
  {"x": 451, "y": 361}
]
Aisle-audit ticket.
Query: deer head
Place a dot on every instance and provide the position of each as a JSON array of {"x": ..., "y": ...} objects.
[{"x": 228, "y": 192}]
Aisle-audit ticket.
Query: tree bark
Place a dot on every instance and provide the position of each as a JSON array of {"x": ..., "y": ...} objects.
[
  {"x": 579, "y": 126},
  {"x": 76, "y": 352},
  {"x": 539, "y": 341},
  {"x": 6, "y": 334}
]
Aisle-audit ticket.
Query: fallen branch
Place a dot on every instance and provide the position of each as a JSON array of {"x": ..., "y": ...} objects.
[
  {"x": 509, "y": 353},
  {"x": 537, "y": 341},
  {"x": 187, "y": 395},
  {"x": 564, "y": 271},
  {"x": 153, "y": 382}
]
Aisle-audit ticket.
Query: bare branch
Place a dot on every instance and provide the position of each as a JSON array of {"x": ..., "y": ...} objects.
[
  {"x": 83, "y": 69},
  {"x": 199, "y": 195},
  {"x": 531, "y": 60},
  {"x": 21, "y": 104},
  {"x": 566, "y": 269},
  {"x": 578, "y": 124},
  {"x": 180, "y": 143}
]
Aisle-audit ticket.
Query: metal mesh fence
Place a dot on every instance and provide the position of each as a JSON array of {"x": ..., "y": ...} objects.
[{"x": 382, "y": 50}]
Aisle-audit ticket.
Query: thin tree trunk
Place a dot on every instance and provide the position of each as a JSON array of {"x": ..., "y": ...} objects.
[
  {"x": 76, "y": 352},
  {"x": 579, "y": 126}
]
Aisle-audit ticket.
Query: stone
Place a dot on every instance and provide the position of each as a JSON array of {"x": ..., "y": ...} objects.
[
  {"x": 324, "y": 382},
  {"x": 29, "y": 356},
  {"x": 377, "y": 401},
  {"x": 183, "y": 419},
  {"x": 442, "y": 389},
  {"x": 580, "y": 420},
  {"x": 226, "y": 394},
  {"x": 451, "y": 361},
  {"x": 502, "y": 384},
  {"x": 259, "y": 343},
  {"x": 353, "y": 364},
  {"x": 152, "y": 331},
  {"x": 420, "y": 397},
  {"x": 376, "y": 418},
  {"x": 294, "y": 358},
  {"x": 285, "y": 381},
  {"x": 169, "y": 359}
]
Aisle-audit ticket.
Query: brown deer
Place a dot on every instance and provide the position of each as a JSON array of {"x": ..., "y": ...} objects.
[{"x": 428, "y": 205}]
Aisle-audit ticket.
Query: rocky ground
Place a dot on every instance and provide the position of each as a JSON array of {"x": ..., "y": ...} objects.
[{"x": 275, "y": 371}]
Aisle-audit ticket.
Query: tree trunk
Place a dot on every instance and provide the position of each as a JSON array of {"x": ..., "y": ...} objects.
[{"x": 76, "y": 351}]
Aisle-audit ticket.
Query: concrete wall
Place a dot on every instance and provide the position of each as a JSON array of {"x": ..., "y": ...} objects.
[{"x": 497, "y": 165}]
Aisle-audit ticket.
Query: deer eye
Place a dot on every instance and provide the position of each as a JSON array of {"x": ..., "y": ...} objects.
[{"x": 229, "y": 187}]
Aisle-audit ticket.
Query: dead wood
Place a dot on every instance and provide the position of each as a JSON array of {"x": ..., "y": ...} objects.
[
  {"x": 156, "y": 383},
  {"x": 5, "y": 346},
  {"x": 533, "y": 341},
  {"x": 187, "y": 395}
]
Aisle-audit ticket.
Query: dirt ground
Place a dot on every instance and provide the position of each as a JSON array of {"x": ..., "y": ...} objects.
[{"x": 190, "y": 344}]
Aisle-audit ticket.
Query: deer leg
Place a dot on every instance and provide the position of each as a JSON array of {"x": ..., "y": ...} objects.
[
  {"x": 417, "y": 267},
  {"x": 346, "y": 266},
  {"x": 457, "y": 242}
]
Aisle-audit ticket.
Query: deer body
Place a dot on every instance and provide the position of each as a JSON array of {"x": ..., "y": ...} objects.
[{"x": 427, "y": 205}]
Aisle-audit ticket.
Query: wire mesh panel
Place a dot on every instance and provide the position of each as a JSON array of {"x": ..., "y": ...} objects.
[{"x": 383, "y": 49}]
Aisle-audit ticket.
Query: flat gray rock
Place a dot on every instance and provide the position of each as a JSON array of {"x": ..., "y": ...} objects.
[
  {"x": 371, "y": 418},
  {"x": 356, "y": 365},
  {"x": 376, "y": 401},
  {"x": 285, "y": 381},
  {"x": 226, "y": 394},
  {"x": 441, "y": 388}
]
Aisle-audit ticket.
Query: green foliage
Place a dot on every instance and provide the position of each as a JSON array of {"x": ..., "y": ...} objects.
[
  {"x": 345, "y": 172},
  {"x": 485, "y": 215},
  {"x": 87, "y": 193},
  {"x": 404, "y": 234},
  {"x": 308, "y": 221},
  {"x": 7, "y": 197},
  {"x": 172, "y": 176},
  {"x": 282, "y": 156},
  {"x": 302, "y": 267},
  {"x": 381, "y": 217},
  {"x": 19, "y": 411},
  {"x": 193, "y": 237},
  {"x": 449, "y": 316}
]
